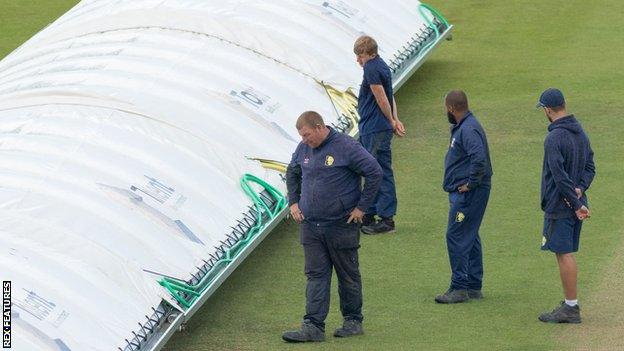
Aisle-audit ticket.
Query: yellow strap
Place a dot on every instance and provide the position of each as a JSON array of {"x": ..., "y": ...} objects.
[
  {"x": 345, "y": 103},
  {"x": 272, "y": 164}
]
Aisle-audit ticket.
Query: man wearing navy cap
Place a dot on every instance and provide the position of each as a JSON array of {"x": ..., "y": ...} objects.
[{"x": 567, "y": 173}]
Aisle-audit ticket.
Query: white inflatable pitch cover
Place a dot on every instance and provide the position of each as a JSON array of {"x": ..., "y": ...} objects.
[{"x": 125, "y": 130}]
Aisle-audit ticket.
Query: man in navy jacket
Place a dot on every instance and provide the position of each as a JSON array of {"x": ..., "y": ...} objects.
[
  {"x": 325, "y": 194},
  {"x": 467, "y": 179},
  {"x": 567, "y": 173}
]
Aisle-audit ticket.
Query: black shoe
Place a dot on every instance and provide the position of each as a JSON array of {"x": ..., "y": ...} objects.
[
  {"x": 350, "y": 327},
  {"x": 367, "y": 220},
  {"x": 308, "y": 332},
  {"x": 453, "y": 296},
  {"x": 562, "y": 314},
  {"x": 475, "y": 294},
  {"x": 383, "y": 226}
]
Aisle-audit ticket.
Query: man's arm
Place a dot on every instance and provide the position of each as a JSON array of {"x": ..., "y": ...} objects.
[
  {"x": 555, "y": 162},
  {"x": 400, "y": 129},
  {"x": 382, "y": 100},
  {"x": 364, "y": 164},
  {"x": 475, "y": 148},
  {"x": 293, "y": 179},
  {"x": 589, "y": 171},
  {"x": 293, "y": 185},
  {"x": 395, "y": 113}
]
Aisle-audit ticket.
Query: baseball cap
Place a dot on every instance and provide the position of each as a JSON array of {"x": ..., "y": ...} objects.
[{"x": 551, "y": 97}]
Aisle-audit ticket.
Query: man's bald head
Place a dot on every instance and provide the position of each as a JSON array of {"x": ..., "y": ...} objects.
[
  {"x": 312, "y": 129},
  {"x": 310, "y": 119},
  {"x": 456, "y": 101}
]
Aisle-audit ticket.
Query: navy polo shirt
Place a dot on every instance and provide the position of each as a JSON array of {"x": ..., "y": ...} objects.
[{"x": 372, "y": 119}]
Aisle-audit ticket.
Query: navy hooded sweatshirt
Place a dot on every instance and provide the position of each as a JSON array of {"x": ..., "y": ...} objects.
[
  {"x": 568, "y": 164},
  {"x": 326, "y": 181}
]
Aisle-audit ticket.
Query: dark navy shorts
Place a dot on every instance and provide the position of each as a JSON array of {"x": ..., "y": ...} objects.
[{"x": 561, "y": 235}]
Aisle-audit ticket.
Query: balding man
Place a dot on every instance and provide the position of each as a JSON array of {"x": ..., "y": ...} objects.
[
  {"x": 325, "y": 194},
  {"x": 467, "y": 179}
]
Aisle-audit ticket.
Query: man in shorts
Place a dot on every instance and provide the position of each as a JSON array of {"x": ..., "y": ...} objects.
[{"x": 567, "y": 173}]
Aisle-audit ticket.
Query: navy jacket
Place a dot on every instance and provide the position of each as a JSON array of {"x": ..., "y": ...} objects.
[
  {"x": 568, "y": 164},
  {"x": 326, "y": 181},
  {"x": 468, "y": 156}
]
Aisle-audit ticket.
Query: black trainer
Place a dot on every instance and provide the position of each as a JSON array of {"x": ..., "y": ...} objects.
[
  {"x": 562, "y": 314},
  {"x": 383, "y": 226},
  {"x": 453, "y": 296},
  {"x": 350, "y": 327},
  {"x": 475, "y": 294},
  {"x": 368, "y": 219},
  {"x": 308, "y": 332}
]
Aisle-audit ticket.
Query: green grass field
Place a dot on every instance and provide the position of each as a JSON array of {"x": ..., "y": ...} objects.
[{"x": 504, "y": 53}]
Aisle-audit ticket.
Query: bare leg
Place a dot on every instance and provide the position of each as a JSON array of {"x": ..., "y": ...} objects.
[{"x": 568, "y": 272}]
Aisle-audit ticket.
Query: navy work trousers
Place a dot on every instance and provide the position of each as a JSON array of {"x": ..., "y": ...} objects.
[
  {"x": 324, "y": 247},
  {"x": 462, "y": 237},
  {"x": 379, "y": 145}
]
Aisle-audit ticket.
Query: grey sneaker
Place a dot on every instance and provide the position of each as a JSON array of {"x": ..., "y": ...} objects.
[
  {"x": 308, "y": 332},
  {"x": 562, "y": 314},
  {"x": 475, "y": 294},
  {"x": 383, "y": 226},
  {"x": 350, "y": 327},
  {"x": 453, "y": 296}
]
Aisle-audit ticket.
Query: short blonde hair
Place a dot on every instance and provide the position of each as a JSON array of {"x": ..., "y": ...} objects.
[{"x": 365, "y": 45}]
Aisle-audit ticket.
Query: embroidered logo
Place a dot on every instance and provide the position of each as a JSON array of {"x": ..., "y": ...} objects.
[
  {"x": 306, "y": 161},
  {"x": 452, "y": 142},
  {"x": 459, "y": 217},
  {"x": 329, "y": 160}
]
